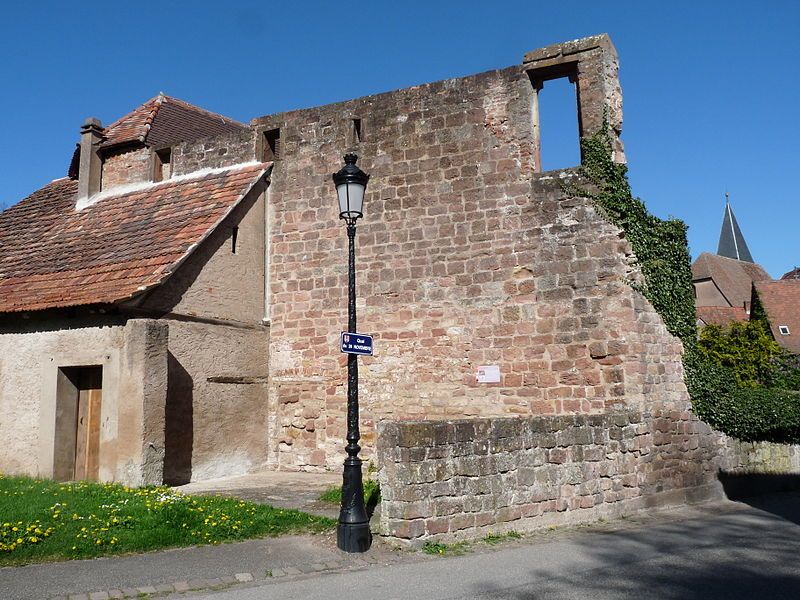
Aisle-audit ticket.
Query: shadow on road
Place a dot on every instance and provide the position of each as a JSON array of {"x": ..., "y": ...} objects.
[
  {"x": 741, "y": 554},
  {"x": 762, "y": 491}
]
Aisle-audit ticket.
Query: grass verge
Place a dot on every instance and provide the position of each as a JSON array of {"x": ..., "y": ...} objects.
[
  {"x": 372, "y": 493},
  {"x": 41, "y": 520}
]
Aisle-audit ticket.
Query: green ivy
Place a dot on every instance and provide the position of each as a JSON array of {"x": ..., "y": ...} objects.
[
  {"x": 716, "y": 380},
  {"x": 660, "y": 246}
]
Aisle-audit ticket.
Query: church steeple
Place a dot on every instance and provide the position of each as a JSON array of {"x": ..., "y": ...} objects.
[{"x": 731, "y": 240}]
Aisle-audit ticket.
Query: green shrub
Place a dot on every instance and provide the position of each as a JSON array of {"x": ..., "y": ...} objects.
[{"x": 747, "y": 349}]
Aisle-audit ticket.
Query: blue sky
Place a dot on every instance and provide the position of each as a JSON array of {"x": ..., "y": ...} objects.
[{"x": 711, "y": 88}]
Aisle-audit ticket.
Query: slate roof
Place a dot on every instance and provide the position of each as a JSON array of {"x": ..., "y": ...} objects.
[
  {"x": 54, "y": 256},
  {"x": 721, "y": 315},
  {"x": 163, "y": 121},
  {"x": 731, "y": 240},
  {"x": 734, "y": 278},
  {"x": 781, "y": 302}
]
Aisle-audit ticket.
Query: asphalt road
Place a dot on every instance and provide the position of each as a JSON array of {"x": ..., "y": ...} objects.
[{"x": 725, "y": 551}]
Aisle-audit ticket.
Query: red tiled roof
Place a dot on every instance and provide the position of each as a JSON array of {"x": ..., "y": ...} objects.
[
  {"x": 163, "y": 120},
  {"x": 781, "y": 302},
  {"x": 793, "y": 274},
  {"x": 54, "y": 256},
  {"x": 721, "y": 315},
  {"x": 734, "y": 278}
]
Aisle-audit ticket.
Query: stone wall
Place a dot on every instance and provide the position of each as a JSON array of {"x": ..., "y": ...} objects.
[
  {"x": 213, "y": 152},
  {"x": 761, "y": 457},
  {"x": 448, "y": 480},
  {"x": 216, "y": 409},
  {"x": 466, "y": 256},
  {"x": 126, "y": 167}
]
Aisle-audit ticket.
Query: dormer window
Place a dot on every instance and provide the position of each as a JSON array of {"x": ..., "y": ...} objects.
[
  {"x": 162, "y": 164},
  {"x": 784, "y": 329}
]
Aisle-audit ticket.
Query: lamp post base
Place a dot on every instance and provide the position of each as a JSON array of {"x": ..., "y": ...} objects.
[
  {"x": 353, "y": 537},
  {"x": 352, "y": 532}
]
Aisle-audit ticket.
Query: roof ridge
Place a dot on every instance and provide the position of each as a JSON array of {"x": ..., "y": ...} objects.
[
  {"x": 148, "y": 122},
  {"x": 129, "y": 113},
  {"x": 196, "y": 108}
]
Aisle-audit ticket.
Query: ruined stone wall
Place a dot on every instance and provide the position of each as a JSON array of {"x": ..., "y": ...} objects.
[
  {"x": 452, "y": 480},
  {"x": 133, "y": 166},
  {"x": 467, "y": 256}
]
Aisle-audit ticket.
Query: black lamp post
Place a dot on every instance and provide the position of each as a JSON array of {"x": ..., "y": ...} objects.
[{"x": 352, "y": 532}]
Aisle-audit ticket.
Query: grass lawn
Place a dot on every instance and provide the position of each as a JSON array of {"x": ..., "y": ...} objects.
[{"x": 41, "y": 520}]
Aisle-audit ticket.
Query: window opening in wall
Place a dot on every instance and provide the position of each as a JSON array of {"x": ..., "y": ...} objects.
[
  {"x": 556, "y": 123},
  {"x": 234, "y": 239},
  {"x": 162, "y": 168},
  {"x": 272, "y": 145},
  {"x": 357, "y": 131},
  {"x": 79, "y": 400},
  {"x": 784, "y": 329}
]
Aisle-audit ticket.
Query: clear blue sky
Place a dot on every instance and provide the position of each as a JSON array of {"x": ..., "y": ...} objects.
[{"x": 711, "y": 88}]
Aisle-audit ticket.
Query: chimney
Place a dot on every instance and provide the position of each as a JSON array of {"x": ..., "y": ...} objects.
[{"x": 91, "y": 166}]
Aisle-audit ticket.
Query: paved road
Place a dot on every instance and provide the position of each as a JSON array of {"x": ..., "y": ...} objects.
[{"x": 724, "y": 551}]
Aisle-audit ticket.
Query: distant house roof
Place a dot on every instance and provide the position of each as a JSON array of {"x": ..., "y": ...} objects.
[
  {"x": 123, "y": 244},
  {"x": 731, "y": 240},
  {"x": 732, "y": 277},
  {"x": 793, "y": 274},
  {"x": 163, "y": 120},
  {"x": 781, "y": 302},
  {"x": 721, "y": 315}
]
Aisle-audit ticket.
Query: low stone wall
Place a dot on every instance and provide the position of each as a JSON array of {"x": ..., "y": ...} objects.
[
  {"x": 451, "y": 480},
  {"x": 761, "y": 457},
  {"x": 756, "y": 468}
]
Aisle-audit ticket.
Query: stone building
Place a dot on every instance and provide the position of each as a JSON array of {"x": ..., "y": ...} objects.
[
  {"x": 126, "y": 288},
  {"x": 201, "y": 280}
]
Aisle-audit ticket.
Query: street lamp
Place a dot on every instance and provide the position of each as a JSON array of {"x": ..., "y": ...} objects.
[{"x": 352, "y": 532}]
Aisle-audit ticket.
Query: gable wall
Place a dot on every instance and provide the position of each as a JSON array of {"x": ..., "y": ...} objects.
[
  {"x": 215, "y": 282},
  {"x": 122, "y": 168},
  {"x": 708, "y": 294}
]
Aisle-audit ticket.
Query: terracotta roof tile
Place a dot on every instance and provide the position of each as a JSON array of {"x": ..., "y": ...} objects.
[
  {"x": 163, "y": 121},
  {"x": 721, "y": 315},
  {"x": 793, "y": 274},
  {"x": 734, "y": 278},
  {"x": 54, "y": 256},
  {"x": 781, "y": 301}
]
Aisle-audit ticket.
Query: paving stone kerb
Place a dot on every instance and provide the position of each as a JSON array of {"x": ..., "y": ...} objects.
[{"x": 446, "y": 480}]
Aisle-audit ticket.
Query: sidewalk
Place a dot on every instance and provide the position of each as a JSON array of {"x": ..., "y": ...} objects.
[
  {"x": 282, "y": 489},
  {"x": 204, "y": 567}
]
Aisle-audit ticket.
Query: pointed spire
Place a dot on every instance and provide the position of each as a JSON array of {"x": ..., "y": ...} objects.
[{"x": 731, "y": 240}]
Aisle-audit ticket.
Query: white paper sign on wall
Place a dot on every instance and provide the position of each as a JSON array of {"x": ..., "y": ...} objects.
[{"x": 488, "y": 374}]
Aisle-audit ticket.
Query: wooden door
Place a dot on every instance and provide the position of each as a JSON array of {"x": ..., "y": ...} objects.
[{"x": 87, "y": 438}]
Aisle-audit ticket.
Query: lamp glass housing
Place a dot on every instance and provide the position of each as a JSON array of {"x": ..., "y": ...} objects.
[
  {"x": 351, "y": 183},
  {"x": 351, "y": 199}
]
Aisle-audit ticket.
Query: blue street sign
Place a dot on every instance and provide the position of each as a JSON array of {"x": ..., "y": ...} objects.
[{"x": 356, "y": 343}]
